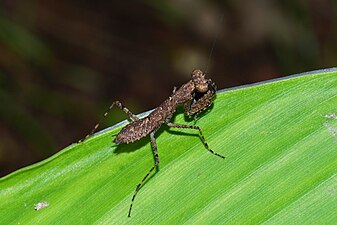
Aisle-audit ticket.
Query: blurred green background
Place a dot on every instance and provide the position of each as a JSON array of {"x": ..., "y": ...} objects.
[{"x": 63, "y": 62}]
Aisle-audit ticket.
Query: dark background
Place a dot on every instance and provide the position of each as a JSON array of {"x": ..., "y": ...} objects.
[{"x": 63, "y": 62}]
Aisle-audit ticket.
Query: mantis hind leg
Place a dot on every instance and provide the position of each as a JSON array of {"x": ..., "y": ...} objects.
[
  {"x": 121, "y": 107},
  {"x": 156, "y": 158}
]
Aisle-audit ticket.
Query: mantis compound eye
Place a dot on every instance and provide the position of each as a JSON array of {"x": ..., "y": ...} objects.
[{"x": 200, "y": 83}]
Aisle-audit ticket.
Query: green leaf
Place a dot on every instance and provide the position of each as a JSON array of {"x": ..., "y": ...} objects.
[{"x": 279, "y": 139}]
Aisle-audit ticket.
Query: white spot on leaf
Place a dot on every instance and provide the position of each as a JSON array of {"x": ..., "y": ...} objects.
[{"x": 40, "y": 205}]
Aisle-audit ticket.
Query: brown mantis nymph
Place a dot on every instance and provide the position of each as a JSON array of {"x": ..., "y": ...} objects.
[{"x": 196, "y": 95}]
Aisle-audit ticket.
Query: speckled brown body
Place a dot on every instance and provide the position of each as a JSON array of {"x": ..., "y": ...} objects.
[
  {"x": 162, "y": 114},
  {"x": 142, "y": 127}
]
